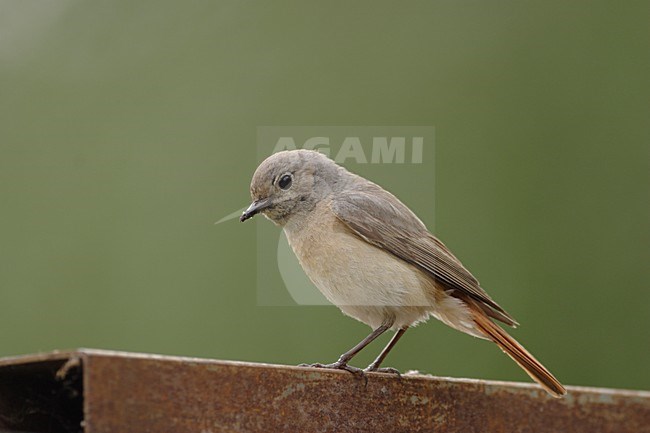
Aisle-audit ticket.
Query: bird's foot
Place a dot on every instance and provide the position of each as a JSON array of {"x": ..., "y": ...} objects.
[
  {"x": 387, "y": 370},
  {"x": 338, "y": 365}
]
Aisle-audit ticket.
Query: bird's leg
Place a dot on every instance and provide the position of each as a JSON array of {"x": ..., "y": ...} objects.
[
  {"x": 377, "y": 362},
  {"x": 342, "y": 363}
]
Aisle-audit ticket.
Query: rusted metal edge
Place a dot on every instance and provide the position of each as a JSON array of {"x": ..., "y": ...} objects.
[
  {"x": 97, "y": 391},
  {"x": 85, "y": 352}
]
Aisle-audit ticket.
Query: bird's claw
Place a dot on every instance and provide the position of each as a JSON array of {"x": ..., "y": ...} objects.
[
  {"x": 387, "y": 370},
  {"x": 338, "y": 366}
]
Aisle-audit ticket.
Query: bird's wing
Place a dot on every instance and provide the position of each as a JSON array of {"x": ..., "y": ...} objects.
[{"x": 381, "y": 219}]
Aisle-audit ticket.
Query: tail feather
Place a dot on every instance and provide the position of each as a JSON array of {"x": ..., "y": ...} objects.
[{"x": 517, "y": 352}]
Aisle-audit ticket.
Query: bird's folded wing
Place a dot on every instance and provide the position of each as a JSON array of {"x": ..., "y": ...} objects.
[{"x": 382, "y": 220}]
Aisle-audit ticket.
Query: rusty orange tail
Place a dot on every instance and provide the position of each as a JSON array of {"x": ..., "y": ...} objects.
[{"x": 517, "y": 352}]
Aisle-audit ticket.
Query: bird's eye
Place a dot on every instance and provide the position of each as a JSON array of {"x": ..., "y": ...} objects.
[{"x": 285, "y": 181}]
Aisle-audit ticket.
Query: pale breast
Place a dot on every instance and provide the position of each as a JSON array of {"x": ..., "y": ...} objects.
[{"x": 350, "y": 271}]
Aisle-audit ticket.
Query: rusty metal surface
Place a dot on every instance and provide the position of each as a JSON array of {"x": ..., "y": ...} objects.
[{"x": 143, "y": 393}]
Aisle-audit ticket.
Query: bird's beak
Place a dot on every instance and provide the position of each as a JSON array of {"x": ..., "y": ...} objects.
[{"x": 256, "y": 207}]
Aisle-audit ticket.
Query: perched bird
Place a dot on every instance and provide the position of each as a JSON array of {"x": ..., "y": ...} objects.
[{"x": 373, "y": 258}]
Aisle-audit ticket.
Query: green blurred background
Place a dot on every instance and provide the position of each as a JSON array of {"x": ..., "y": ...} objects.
[{"x": 128, "y": 128}]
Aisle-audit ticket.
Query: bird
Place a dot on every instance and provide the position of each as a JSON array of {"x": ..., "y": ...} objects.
[{"x": 373, "y": 258}]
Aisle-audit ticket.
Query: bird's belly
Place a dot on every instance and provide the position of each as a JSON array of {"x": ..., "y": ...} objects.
[{"x": 364, "y": 281}]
